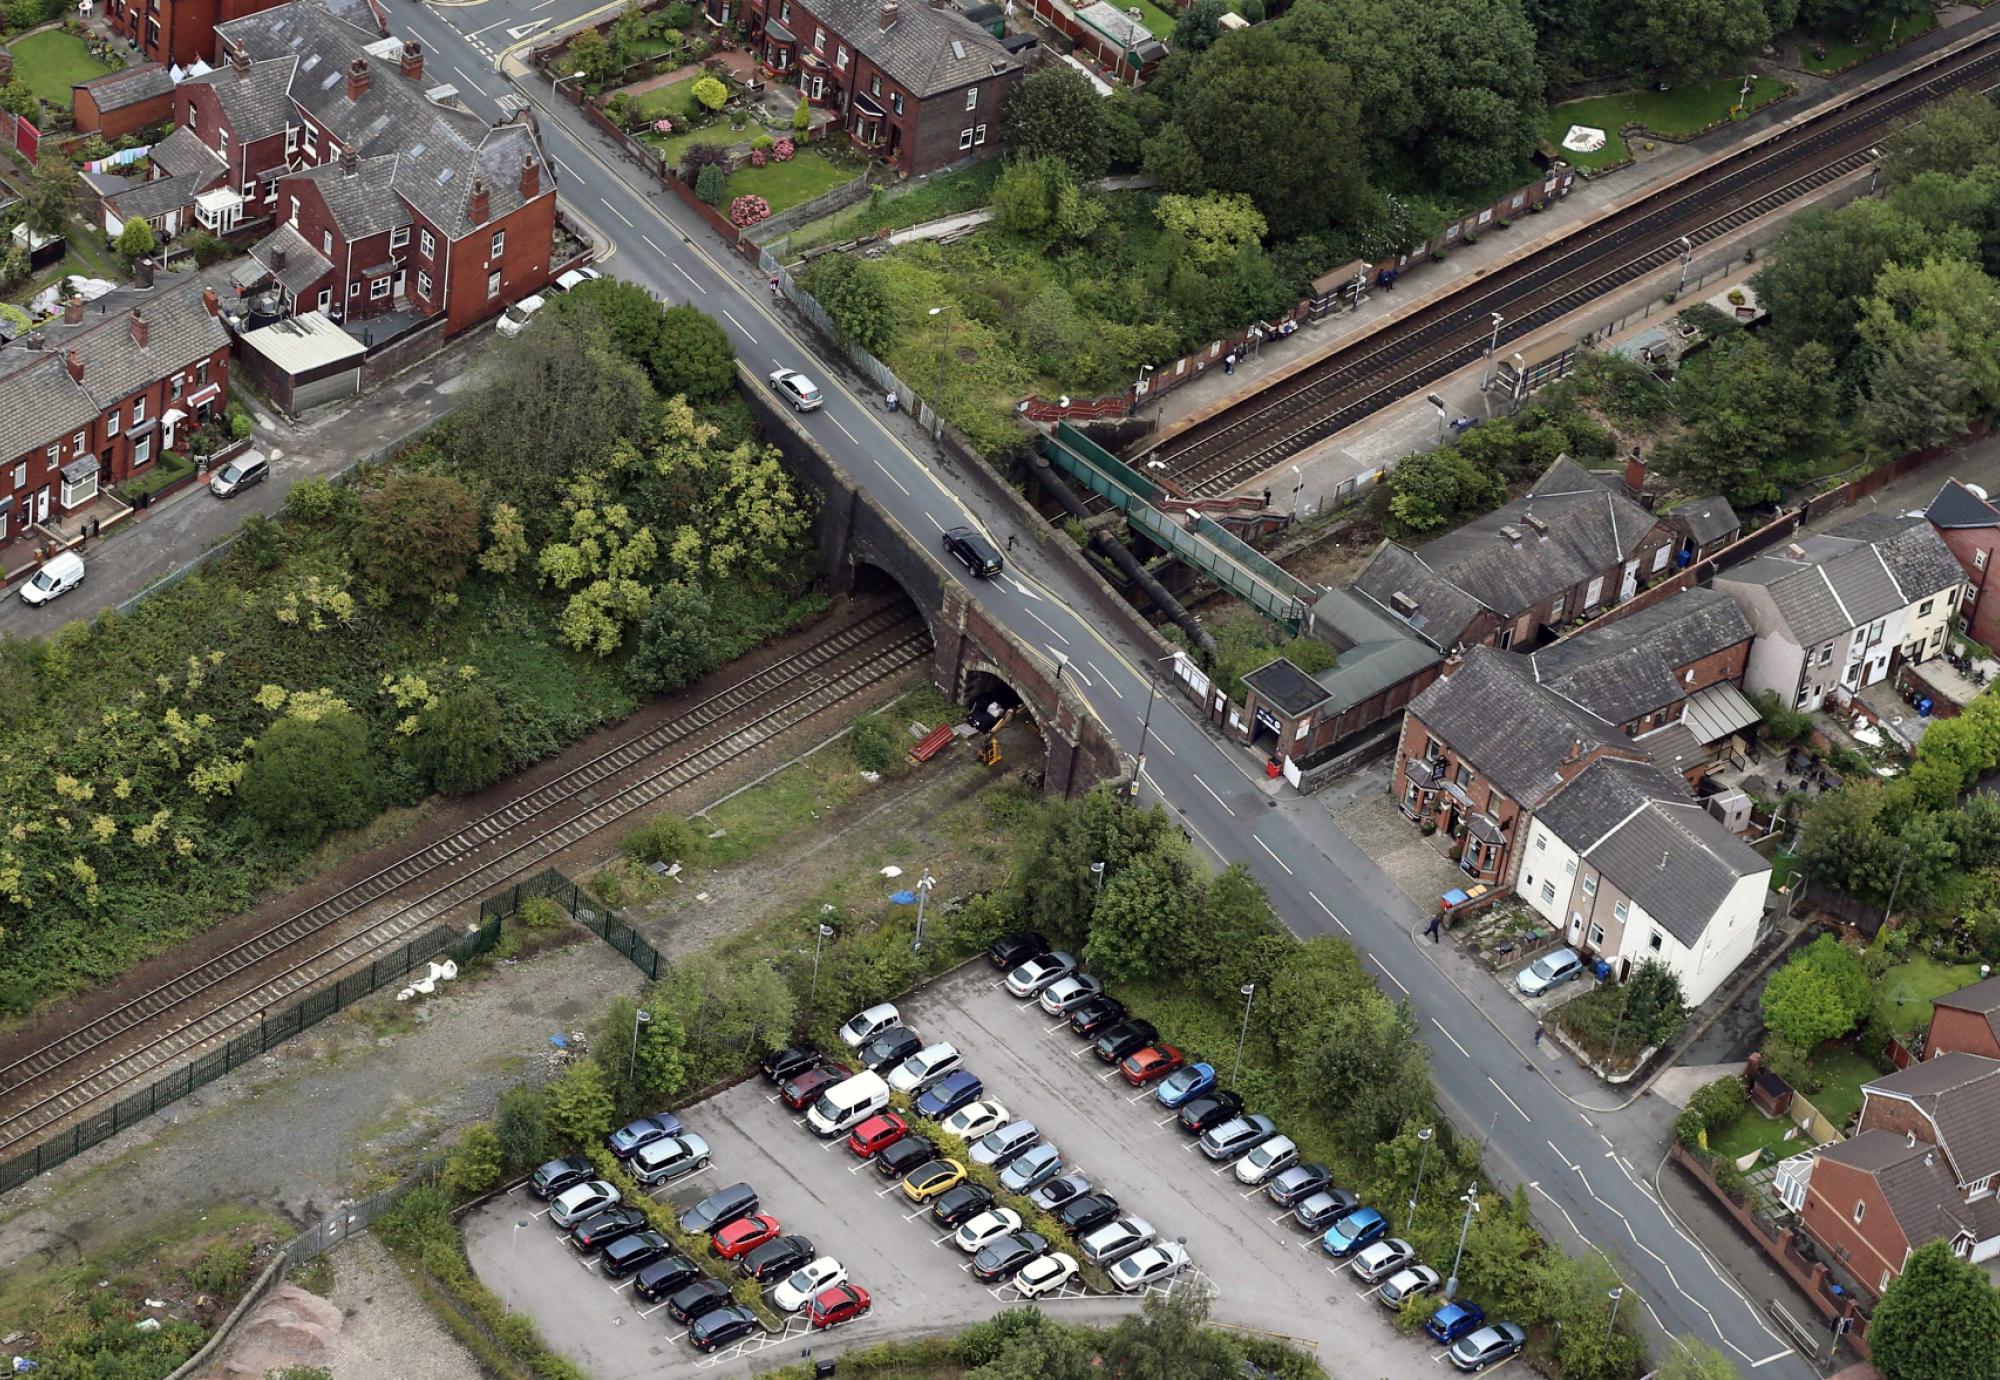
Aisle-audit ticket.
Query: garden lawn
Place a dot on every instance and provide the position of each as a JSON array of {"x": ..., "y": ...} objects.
[
  {"x": 785, "y": 185},
  {"x": 672, "y": 101},
  {"x": 931, "y": 198},
  {"x": 1158, "y": 22},
  {"x": 1843, "y": 1072},
  {"x": 52, "y": 61},
  {"x": 1906, "y": 991},
  {"x": 1754, "y": 1131},
  {"x": 1850, "y": 46},
  {"x": 1675, "y": 113}
]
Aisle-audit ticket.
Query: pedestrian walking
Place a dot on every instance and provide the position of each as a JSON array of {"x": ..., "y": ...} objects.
[
  {"x": 1538, "y": 1034},
  {"x": 774, "y": 285},
  {"x": 1437, "y": 925},
  {"x": 892, "y": 400},
  {"x": 1010, "y": 541}
]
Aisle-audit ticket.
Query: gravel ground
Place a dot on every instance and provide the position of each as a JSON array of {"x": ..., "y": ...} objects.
[{"x": 389, "y": 1331}]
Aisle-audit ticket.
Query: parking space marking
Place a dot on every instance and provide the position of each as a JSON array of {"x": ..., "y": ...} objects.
[
  {"x": 1169, "y": 1119},
  {"x": 1108, "y": 1074},
  {"x": 648, "y": 1312},
  {"x": 1252, "y": 1193},
  {"x": 541, "y": 1214},
  {"x": 1059, "y": 1025},
  {"x": 860, "y": 1165}
]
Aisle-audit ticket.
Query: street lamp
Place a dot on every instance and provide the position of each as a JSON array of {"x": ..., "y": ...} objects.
[
  {"x": 640, "y": 1018},
  {"x": 1687, "y": 257},
  {"x": 1874, "y": 169},
  {"x": 1471, "y": 1201},
  {"x": 514, "y": 1252},
  {"x": 555, "y": 83},
  {"x": 1097, "y": 874},
  {"x": 1486, "y": 374},
  {"x": 924, "y": 885},
  {"x": 1750, "y": 79},
  {"x": 1249, "y": 990},
  {"x": 1424, "y": 1138},
  {"x": 1616, "y": 1294},
  {"x": 1298, "y": 486},
  {"x": 1146, "y": 723},
  {"x": 824, "y": 930},
  {"x": 937, "y": 403}
]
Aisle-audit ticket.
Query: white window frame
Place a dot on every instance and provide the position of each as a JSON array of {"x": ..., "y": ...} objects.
[
  {"x": 1860, "y": 1209},
  {"x": 819, "y": 38},
  {"x": 20, "y": 475},
  {"x": 1660, "y": 559},
  {"x": 378, "y": 289},
  {"x": 499, "y": 245},
  {"x": 1656, "y": 941},
  {"x": 399, "y": 237},
  {"x": 965, "y": 138},
  {"x": 1590, "y": 884},
  {"x": 326, "y": 243},
  {"x": 325, "y": 298},
  {"x": 1622, "y": 911},
  {"x": 426, "y": 245},
  {"x": 979, "y": 134},
  {"x": 138, "y": 409},
  {"x": 76, "y": 494},
  {"x": 423, "y": 283},
  {"x": 54, "y": 454},
  {"x": 142, "y": 451},
  {"x": 1596, "y": 934},
  {"x": 840, "y": 57},
  {"x": 1548, "y": 893},
  {"x": 111, "y": 420},
  {"x": 492, "y": 284},
  {"x": 972, "y": 98},
  {"x": 293, "y": 219}
]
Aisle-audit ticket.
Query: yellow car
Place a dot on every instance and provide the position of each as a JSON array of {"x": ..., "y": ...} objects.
[{"x": 926, "y": 1181}]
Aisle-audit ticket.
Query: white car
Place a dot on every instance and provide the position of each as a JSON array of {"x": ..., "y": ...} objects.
[
  {"x": 572, "y": 1205},
  {"x": 801, "y": 1284},
  {"x": 1046, "y": 1274},
  {"x": 1037, "y": 974},
  {"x": 1071, "y": 992},
  {"x": 988, "y": 1227},
  {"x": 868, "y": 1025},
  {"x": 1274, "y": 1156},
  {"x": 576, "y": 278},
  {"x": 515, "y": 319},
  {"x": 1550, "y": 970},
  {"x": 1405, "y": 1285},
  {"x": 924, "y": 1068},
  {"x": 795, "y": 388},
  {"x": 974, "y": 1120},
  {"x": 1150, "y": 1266}
]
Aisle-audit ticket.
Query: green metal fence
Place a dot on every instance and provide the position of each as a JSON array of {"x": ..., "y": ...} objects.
[{"x": 602, "y": 922}]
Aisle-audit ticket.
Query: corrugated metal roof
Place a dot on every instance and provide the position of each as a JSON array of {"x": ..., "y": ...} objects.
[{"x": 299, "y": 343}]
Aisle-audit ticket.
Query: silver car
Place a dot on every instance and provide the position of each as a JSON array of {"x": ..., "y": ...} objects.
[
  {"x": 1150, "y": 1266},
  {"x": 1406, "y": 1284},
  {"x": 1032, "y": 977},
  {"x": 668, "y": 1159},
  {"x": 1032, "y": 1167},
  {"x": 1065, "y": 995},
  {"x": 1232, "y": 1138},
  {"x": 999, "y": 1147},
  {"x": 1550, "y": 970},
  {"x": 1115, "y": 1242}
]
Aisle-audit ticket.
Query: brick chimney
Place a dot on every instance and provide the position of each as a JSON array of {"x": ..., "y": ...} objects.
[
  {"x": 357, "y": 78},
  {"x": 277, "y": 259},
  {"x": 349, "y": 162},
  {"x": 139, "y": 329},
  {"x": 531, "y": 177},
  {"x": 73, "y": 311},
  {"x": 1635, "y": 472},
  {"x": 240, "y": 60},
  {"x": 211, "y": 301},
  {"x": 888, "y": 13},
  {"x": 481, "y": 204},
  {"x": 74, "y": 363},
  {"x": 413, "y": 59}
]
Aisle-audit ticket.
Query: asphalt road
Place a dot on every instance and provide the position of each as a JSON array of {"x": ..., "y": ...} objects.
[{"x": 1585, "y": 1190}]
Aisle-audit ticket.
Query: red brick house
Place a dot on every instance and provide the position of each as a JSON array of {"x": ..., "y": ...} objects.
[
  {"x": 1966, "y": 1022},
  {"x": 177, "y": 31},
  {"x": 122, "y": 102},
  {"x": 89, "y": 401},
  {"x": 917, "y": 85},
  {"x": 1970, "y": 526}
]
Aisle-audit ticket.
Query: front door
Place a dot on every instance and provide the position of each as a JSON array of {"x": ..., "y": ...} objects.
[
  {"x": 1629, "y": 585},
  {"x": 818, "y": 91},
  {"x": 42, "y": 506}
]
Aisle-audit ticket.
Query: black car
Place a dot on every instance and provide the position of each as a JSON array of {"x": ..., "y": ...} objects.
[
  {"x": 634, "y": 1252},
  {"x": 969, "y": 545},
  {"x": 664, "y": 1277},
  {"x": 695, "y": 1300},
  {"x": 600, "y": 1229},
  {"x": 721, "y": 1326},
  {"x": 890, "y": 1048},
  {"x": 776, "y": 1259},
  {"x": 557, "y": 1175},
  {"x": 1207, "y": 1112},
  {"x": 1011, "y": 951},
  {"x": 781, "y": 1064},
  {"x": 1096, "y": 1015},
  {"x": 1124, "y": 1038},
  {"x": 906, "y": 1154},
  {"x": 1318, "y": 1211},
  {"x": 1087, "y": 1213},
  {"x": 1294, "y": 1185},
  {"x": 957, "y": 1206},
  {"x": 1005, "y": 1257},
  {"x": 985, "y": 715},
  {"x": 720, "y": 1208}
]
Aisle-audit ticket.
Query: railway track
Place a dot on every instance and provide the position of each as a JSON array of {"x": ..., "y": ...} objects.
[
  {"x": 1224, "y": 452},
  {"x": 48, "y": 1085}
]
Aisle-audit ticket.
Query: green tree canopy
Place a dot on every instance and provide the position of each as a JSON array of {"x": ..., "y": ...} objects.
[
  {"x": 1940, "y": 1317},
  {"x": 1818, "y": 276},
  {"x": 50, "y": 199},
  {"x": 676, "y": 639},
  {"x": 853, "y": 294},
  {"x": 1954, "y": 135},
  {"x": 309, "y": 775},
  {"x": 1819, "y": 995},
  {"x": 417, "y": 534},
  {"x": 1199, "y": 25},
  {"x": 1363, "y": 1069},
  {"x": 1682, "y": 39},
  {"x": 459, "y": 744},
  {"x": 692, "y": 356},
  {"x": 1435, "y": 488},
  {"x": 137, "y": 239},
  {"x": 1746, "y": 409},
  {"x": 579, "y": 1106},
  {"x": 1142, "y": 924},
  {"x": 1056, "y": 113}
]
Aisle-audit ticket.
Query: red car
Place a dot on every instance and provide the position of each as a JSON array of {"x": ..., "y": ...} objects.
[
  {"x": 800, "y": 1091},
  {"x": 832, "y": 1307},
  {"x": 745, "y": 1235},
  {"x": 1154, "y": 1061},
  {"x": 877, "y": 1134}
]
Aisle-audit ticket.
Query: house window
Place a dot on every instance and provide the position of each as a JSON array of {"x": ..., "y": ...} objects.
[
  {"x": 399, "y": 237},
  {"x": 840, "y": 57},
  {"x": 1924, "y": 608},
  {"x": 499, "y": 244},
  {"x": 326, "y": 243},
  {"x": 250, "y": 189},
  {"x": 1826, "y": 654},
  {"x": 294, "y": 219},
  {"x": 270, "y": 188},
  {"x": 1937, "y": 638},
  {"x": 1620, "y": 911},
  {"x": 1556, "y": 608},
  {"x": 142, "y": 451},
  {"x": 174, "y": 386},
  {"x": 1569, "y": 868},
  {"x": 55, "y": 455},
  {"x": 1805, "y": 693},
  {"x": 110, "y": 426},
  {"x": 1656, "y": 941},
  {"x": 896, "y": 102},
  {"x": 493, "y": 284},
  {"x": 1463, "y": 776},
  {"x": 1541, "y": 843},
  {"x": 20, "y": 475},
  {"x": 965, "y": 138},
  {"x": 1979, "y": 560},
  {"x": 378, "y": 289},
  {"x": 354, "y": 288},
  {"x": 979, "y": 134},
  {"x": 972, "y": 98},
  {"x": 291, "y": 138},
  {"x": 1590, "y": 885},
  {"x": 1859, "y": 1208},
  {"x": 312, "y": 142},
  {"x": 785, "y": 12},
  {"x": 1548, "y": 893},
  {"x": 819, "y": 40},
  {"x": 1596, "y": 934},
  {"x": 1660, "y": 559},
  {"x": 138, "y": 411},
  {"x": 423, "y": 283},
  {"x": 874, "y": 85},
  {"x": 77, "y": 492},
  {"x": 222, "y": 143}
]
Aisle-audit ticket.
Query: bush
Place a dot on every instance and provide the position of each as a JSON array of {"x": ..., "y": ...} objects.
[
  {"x": 664, "y": 838},
  {"x": 240, "y": 424},
  {"x": 1688, "y": 1127},
  {"x": 579, "y": 1107},
  {"x": 801, "y": 116},
  {"x": 783, "y": 150},
  {"x": 712, "y": 94},
  {"x": 312, "y": 500},
  {"x": 748, "y": 209},
  {"x": 519, "y": 1126},
  {"x": 473, "y": 1166},
  {"x": 206, "y": 248},
  {"x": 1719, "y": 1103},
  {"x": 137, "y": 239},
  {"x": 709, "y": 184},
  {"x": 762, "y": 143},
  {"x": 310, "y": 775},
  {"x": 459, "y": 746},
  {"x": 675, "y": 642},
  {"x": 222, "y": 1269},
  {"x": 873, "y": 743},
  {"x": 541, "y": 913},
  {"x": 262, "y": 542}
]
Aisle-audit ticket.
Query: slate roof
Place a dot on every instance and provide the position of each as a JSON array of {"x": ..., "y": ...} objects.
[
  {"x": 255, "y": 104},
  {"x": 1601, "y": 795},
  {"x": 1672, "y": 857},
  {"x": 1914, "y": 1180},
  {"x": 363, "y": 203},
  {"x": 1957, "y": 506},
  {"x": 1517, "y": 734},
  {"x": 39, "y": 403},
  {"x": 182, "y": 154},
  {"x": 1960, "y": 1093},
  {"x": 1981, "y": 999},
  {"x": 128, "y": 86},
  {"x": 1283, "y": 684},
  {"x": 1443, "y": 612},
  {"x": 926, "y": 50},
  {"x": 304, "y": 265},
  {"x": 1631, "y": 666},
  {"x": 1705, "y": 519},
  {"x": 1376, "y": 650},
  {"x": 1847, "y": 578},
  {"x": 145, "y": 200},
  {"x": 179, "y": 332}
]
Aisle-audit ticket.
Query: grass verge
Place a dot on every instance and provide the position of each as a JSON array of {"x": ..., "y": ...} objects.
[
  {"x": 1876, "y": 35},
  {"x": 1678, "y": 112}
]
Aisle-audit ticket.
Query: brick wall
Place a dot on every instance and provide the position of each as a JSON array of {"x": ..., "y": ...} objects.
[
  {"x": 1866, "y": 1249},
  {"x": 1966, "y": 1032}
]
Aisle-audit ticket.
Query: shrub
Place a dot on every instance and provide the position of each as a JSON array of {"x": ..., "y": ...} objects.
[
  {"x": 711, "y": 93},
  {"x": 873, "y": 743},
  {"x": 709, "y": 184},
  {"x": 541, "y": 913},
  {"x": 206, "y": 248},
  {"x": 519, "y": 1126},
  {"x": 747, "y": 210},
  {"x": 223, "y": 1269},
  {"x": 262, "y": 542},
  {"x": 783, "y": 150},
  {"x": 1688, "y": 1127},
  {"x": 240, "y": 424},
  {"x": 473, "y": 1166},
  {"x": 312, "y": 500},
  {"x": 137, "y": 239},
  {"x": 761, "y": 143},
  {"x": 664, "y": 838},
  {"x": 310, "y": 775},
  {"x": 758, "y": 158},
  {"x": 579, "y": 1107},
  {"x": 1720, "y": 1102},
  {"x": 458, "y": 745},
  {"x": 802, "y": 116}
]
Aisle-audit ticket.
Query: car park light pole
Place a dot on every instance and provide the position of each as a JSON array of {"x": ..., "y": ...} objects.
[
  {"x": 1249, "y": 990},
  {"x": 641, "y": 1017},
  {"x": 1471, "y": 1201},
  {"x": 924, "y": 885},
  {"x": 824, "y": 930},
  {"x": 1615, "y": 1295},
  {"x": 1687, "y": 257},
  {"x": 514, "y": 1251},
  {"x": 1423, "y": 1138},
  {"x": 1097, "y": 873}
]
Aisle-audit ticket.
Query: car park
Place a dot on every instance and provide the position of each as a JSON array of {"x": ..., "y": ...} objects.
[
  {"x": 557, "y": 1175},
  {"x": 239, "y": 474},
  {"x": 781, "y": 1064},
  {"x": 924, "y": 1068},
  {"x": 665, "y": 1277},
  {"x": 1412, "y": 1281},
  {"x": 983, "y": 1230},
  {"x": 1318, "y": 1210},
  {"x": 1060, "y": 1190},
  {"x": 999, "y": 1147},
  {"x": 1087, "y": 1212},
  {"x": 1185, "y": 1084},
  {"x": 969, "y": 546},
  {"x": 1010, "y": 951},
  {"x": 600, "y": 1229},
  {"x": 745, "y": 1235},
  {"x": 976, "y": 1119},
  {"x": 1096, "y": 1015},
  {"x": 1162, "y": 1260},
  {"x": 841, "y": 1304},
  {"x": 777, "y": 1258},
  {"x": 1488, "y": 1346},
  {"x": 866, "y": 1026},
  {"x": 1039, "y": 973},
  {"x": 719, "y": 1209},
  {"x": 951, "y": 1092},
  {"x": 1294, "y": 1185},
  {"x": 720, "y": 1326},
  {"x": 1266, "y": 1159},
  {"x": 960, "y": 1205},
  {"x": 803, "y": 1088},
  {"x": 877, "y": 1134},
  {"x": 626, "y": 1140},
  {"x": 1550, "y": 970},
  {"x": 579, "y": 1201},
  {"x": 903, "y": 1155},
  {"x": 1232, "y": 1138},
  {"x": 696, "y": 1299},
  {"x": 1038, "y": 1162},
  {"x": 1353, "y": 1230},
  {"x": 890, "y": 1048},
  {"x": 1065, "y": 994},
  {"x": 795, "y": 388},
  {"x": 1454, "y": 1319},
  {"x": 1124, "y": 1038},
  {"x": 927, "y": 1181},
  {"x": 1143, "y": 1066},
  {"x": 1005, "y": 1257},
  {"x": 665, "y": 1160},
  {"x": 1046, "y": 1274},
  {"x": 634, "y": 1252},
  {"x": 1209, "y": 1110},
  {"x": 1115, "y": 1242},
  {"x": 1377, "y": 1262}
]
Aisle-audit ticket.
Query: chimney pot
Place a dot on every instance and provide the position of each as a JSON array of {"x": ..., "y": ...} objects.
[
  {"x": 357, "y": 78},
  {"x": 74, "y": 362},
  {"x": 1635, "y": 473},
  {"x": 140, "y": 329},
  {"x": 413, "y": 59},
  {"x": 73, "y": 310},
  {"x": 240, "y": 60},
  {"x": 211, "y": 301},
  {"x": 349, "y": 162},
  {"x": 531, "y": 177},
  {"x": 481, "y": 204}
]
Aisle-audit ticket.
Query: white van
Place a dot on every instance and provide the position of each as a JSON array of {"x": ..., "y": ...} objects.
[
  {"x": 847, "y": 1104},
  {"x": 60, "y": 574}
]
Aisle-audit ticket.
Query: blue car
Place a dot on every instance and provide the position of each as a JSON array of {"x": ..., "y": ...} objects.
[
  {"x": 1453, "y": 1320},
  {"x": 948, "y": 1094},
  {"x": 1183, "y": 1084},
  {"x": 1359, "y": 1228},
  {"x": 633, "y": 1136}
]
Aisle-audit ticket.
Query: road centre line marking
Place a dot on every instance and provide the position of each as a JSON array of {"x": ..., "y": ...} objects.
[
  {"x": 1101, "y": 676},
  {"x": 616, "y": 212},
  {"x": 685, "y": 274},
  {"x": 1218, "y": 799},
  {"x": 1329, "y": 913},
  {"x": 1393, "y": 978},
  {"x": 1510, "y": 1101},
  {"x": 892, "y": 477},
  {"x": 1453, "y": 1038},
  {"x": 739, "y": 325},
  {"x": 844, "y": 431},
  {"x": 934, "y": 522},
  {"x": 1274, "y": 857},
  {"x": 1043, "y": 621}
]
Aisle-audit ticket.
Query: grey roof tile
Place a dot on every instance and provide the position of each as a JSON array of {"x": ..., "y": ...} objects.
[
  {"x": 1957, "y": 506},
  {"x": 1705, "y": 520},
  {"x": 364, "y": 202},
  {"x": 1960, "y": 1093},
  {"x": 1492, "y": 713},
  {"x": 39, "y": 403},
  {"x": 304, "y": 265},
  {"x": 1675, "y": 859},
  {"x": 128, "y": 86},
  {"x": 254, "y": 103},
  {"x": 1630, "y": 666},
  {"x": 1282, "y": 683},
  {"x": 1376, "y": 650},
  {"x": 1914, "y": 1181},
  {"x": 1443, "y": 611},
  {"x": 926, "y": 49},
  {"x": 145, "y": 200},
  {"x": 182, "y": 154},
  {"x": 1847, "y": 578},
  {"x": 179, "y": 331}
]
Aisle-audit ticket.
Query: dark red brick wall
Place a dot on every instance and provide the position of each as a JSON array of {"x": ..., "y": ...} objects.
[{"x": 1865, "y": 1249}]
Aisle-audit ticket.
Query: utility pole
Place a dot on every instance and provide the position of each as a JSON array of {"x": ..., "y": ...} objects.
[
  {"x": 924, "y": 885},
  {"x": 824, "y": 930},
  {"x": 1492, "y": 346},
  {"x": 1471, "y": 1201},
  {"x": 1139, "y": 761},
  {"x": 1615, "y": 1295},
  {"x": 1901, "y": 863},
  {"x": 1687, "y": 257},
  {"x": 640, "y": 1018},
  {"x": 1249, "y": 990}
]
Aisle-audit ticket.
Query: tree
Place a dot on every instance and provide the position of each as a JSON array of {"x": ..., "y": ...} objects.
[
  {"x": 854, "y": 297},
  {"x": 1940, "y": 1317},
  {"x": 1683, "y": 39},
  {"x": 1363, "y": 1069},
  {"x": 308, "y": 775},
  {"x": 1143, "y": 921},
  {"x": 1436, "y": 488},
  {"x": 1056, "y": 113},
  {"x": 1199, "y": 26},
  {"x": 711, "y": 92},
  {"x": 417, "y": 534},
  {"x": 590, "y": 53},
  {"x": 731, "y": 1010},
  {"x": 801, "y": 117},
  {"x": 1170, "y": 1337},
  {"x": 622, "y": 313},
  {"x": 1215, "y": 225},
  {"x": 1822, "y": 993},
  {"x": 659, "y": 1067},
  {"x": 506, "y": 540},
  {"x": 1821, "y": 271},
  {"x": 693, "y": 357},
  {"x": 676, "y": 640},
  {"x": 1043, "y": 201},
  {"x": 1951, "y": 296},
  {"x": 1955, "y": 135},
  {"x": 50, "y": 199},
  {"x": 579, "y": 1106},
  {"x": 1316, "y": 976},
  {"x": 458, "y": 745},
  {"x": 711, "y": 184},
  {"x": 1054, "y": 860},
  {"x": 1652, "y": 1004},
  {"x": 1693, "y": 1359},
  {"x": 1920, "y": 393},
  {"x": 137, "y": 239},
  {"x": 1747, "y": 410},
  {"x": 18, "y": 98},
  {"x": 1237, "y": 939},
  {"x": 520, "y": 1127},
  {"x": 473, "y": 1166}
]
